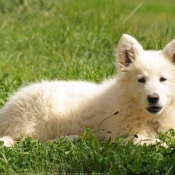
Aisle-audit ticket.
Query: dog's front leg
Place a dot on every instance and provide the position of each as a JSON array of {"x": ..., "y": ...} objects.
[{"x": 70, "y": 137}]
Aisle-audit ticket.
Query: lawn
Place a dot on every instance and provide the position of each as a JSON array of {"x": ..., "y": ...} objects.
[{"x": 76, "y": 39}]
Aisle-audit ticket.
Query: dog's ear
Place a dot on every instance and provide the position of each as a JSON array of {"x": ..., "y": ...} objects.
[
  {"x": 169, "y": 51},
  {"x": 127, "y": 51}
]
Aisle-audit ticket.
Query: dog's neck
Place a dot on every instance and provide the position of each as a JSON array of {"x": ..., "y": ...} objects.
[{"x": 156, "y": 126}]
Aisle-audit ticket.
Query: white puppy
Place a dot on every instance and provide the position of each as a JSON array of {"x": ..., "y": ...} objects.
[{"x": 143, "y": 93}]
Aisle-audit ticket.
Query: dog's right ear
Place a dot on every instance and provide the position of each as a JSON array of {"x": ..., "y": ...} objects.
[{"x": 127, "y": 50}]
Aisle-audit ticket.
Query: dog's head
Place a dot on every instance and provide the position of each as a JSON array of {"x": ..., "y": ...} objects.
[{"x": 149, "y": 75}]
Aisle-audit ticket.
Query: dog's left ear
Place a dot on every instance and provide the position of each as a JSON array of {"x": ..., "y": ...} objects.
[
  {"x": 127, "y": 51},
  {"x": 169, "y": 51}
]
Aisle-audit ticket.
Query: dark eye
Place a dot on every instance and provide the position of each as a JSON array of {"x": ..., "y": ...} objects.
[
  {"x": 162, "y": 79},
  {"x": 141, "y": 80}
]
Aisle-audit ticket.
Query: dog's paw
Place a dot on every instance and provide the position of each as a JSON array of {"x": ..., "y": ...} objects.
[
  {"x": 8, "y": 141},
  {"x": 150, "y": 141},
  {"x": 141, "y": 140},
  {"x": 154, "y": 142}
]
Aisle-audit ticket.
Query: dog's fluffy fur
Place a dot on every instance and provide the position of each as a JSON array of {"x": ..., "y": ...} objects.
[{"x": 143, "y": 93}]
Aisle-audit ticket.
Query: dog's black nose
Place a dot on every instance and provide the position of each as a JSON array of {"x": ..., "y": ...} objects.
[{"x": 153, "y": 98}]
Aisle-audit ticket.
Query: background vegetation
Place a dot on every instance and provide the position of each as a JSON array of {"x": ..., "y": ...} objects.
[{"x": 76, "y": 39}]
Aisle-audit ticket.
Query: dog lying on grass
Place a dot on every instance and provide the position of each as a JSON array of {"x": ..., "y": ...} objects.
[{"x": 143, "y": 92}]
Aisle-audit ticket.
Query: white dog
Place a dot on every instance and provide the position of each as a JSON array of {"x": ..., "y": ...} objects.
[{"x": 143, "y": 93}]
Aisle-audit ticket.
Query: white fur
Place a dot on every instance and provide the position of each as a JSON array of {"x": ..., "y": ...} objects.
[{"x": 143, "y": 93}]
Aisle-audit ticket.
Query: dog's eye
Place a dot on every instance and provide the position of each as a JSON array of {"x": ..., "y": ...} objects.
[
  {"x": 162, "y": 79},
  {"x": 141, "y": 80}
]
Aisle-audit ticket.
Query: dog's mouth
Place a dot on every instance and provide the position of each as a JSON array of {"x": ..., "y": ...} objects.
[{"x": 154, "y": 109}]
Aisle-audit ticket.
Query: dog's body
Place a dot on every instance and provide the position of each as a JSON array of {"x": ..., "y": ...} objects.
[{"x": 143, "y": 93}]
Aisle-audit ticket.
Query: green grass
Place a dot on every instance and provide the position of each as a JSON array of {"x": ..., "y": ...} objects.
[
  {"x": 76, "y": 39},
  {"x": 88, "y": 155}
]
